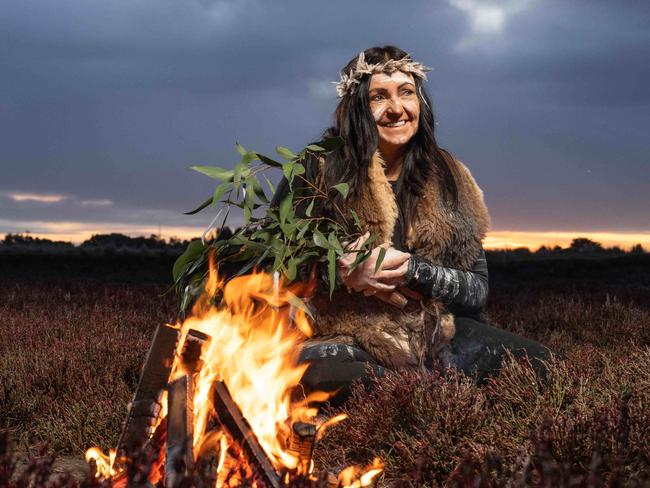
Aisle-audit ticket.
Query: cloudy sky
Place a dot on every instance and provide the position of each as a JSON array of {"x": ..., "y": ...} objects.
[{"x": 104, "y": 105}]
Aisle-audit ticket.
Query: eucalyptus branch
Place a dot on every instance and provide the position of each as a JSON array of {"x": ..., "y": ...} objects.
[{"x": 280, "y": 240}]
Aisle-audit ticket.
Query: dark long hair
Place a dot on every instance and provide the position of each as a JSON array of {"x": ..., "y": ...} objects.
[{"x": 354, "y": 123}]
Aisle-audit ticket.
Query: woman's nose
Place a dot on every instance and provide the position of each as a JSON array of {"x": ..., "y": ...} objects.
[{"x": 394, "y": 107}]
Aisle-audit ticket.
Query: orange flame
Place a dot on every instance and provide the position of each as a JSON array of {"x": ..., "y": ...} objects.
[
  {"x": 356, "y": 477},
  {"x": 103, "y": 463},
  {"x": 254, "y": 350},
  {"x": 255, "y": 336}
]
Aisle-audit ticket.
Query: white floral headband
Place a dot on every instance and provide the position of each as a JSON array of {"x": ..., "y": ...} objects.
[{"x": 350, "y": 80}]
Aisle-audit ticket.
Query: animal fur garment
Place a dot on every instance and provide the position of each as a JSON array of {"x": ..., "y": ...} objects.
[{"x": 446, "y": 236}]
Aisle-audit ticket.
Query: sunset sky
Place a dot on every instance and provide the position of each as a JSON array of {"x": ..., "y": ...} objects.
[{"x": 104, "y": 106}]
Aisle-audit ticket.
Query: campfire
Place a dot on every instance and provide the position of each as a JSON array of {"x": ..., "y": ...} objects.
[{"x": 218, "y": 392}]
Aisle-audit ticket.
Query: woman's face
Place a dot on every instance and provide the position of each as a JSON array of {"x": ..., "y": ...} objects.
[{"x": 395, "y": 106}]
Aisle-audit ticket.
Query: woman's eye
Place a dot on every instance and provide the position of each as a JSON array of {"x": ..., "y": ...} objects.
[
  {"x": 407, "y": 92},
  {"x": 376, "y": 98}
]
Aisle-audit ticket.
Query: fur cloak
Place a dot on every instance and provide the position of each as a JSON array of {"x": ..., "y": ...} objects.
[{"x": 446, "y": 236}]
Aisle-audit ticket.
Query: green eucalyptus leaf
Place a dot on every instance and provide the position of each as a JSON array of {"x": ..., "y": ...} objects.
[
  {"x": 271, "y": 186},
  {"x": 253, "y": 263},
  {"x": 215, "y": 172},
  {"x": 291, "y": 269},
  {"x": 220, "y": 190},
  {"x": 237, "y": 172},
  {"x": 298, "y": 169},
  {"x": 304, "y": 227},
  {"x": 286, "y": 207},
  {"x": 306, "y": 256},
  {"x": 240, "y": 239},
  {"x": 320, "y": 240},
  {"x": 192, "y": 252},
  {"x": 316, "y": 148},
  {"x": 343, "y": 189},
  {"x": 310, "y": 208},
  {"x": 249, "y": 197},
  {"x": 200, "y": 207},
  {"x": 268, "y": 161},
  {"x": 334, "y": 242},
  {"x": 380, "y": 258},
  {"x": 285, "y": 153},
  {"x": 357, "y": 222},
  {"x": 360, "y": 258},
  {"x": 287, "y": 170},
  {"x": 259, "y": 191},
  {"x": 331, "y": 269},
  {"x": 278, "y": 262},
  {"x": 248, "y": 158}
]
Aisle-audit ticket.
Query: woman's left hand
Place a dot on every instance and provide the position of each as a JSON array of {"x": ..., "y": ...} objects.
[{"x": 397, "y": 274}]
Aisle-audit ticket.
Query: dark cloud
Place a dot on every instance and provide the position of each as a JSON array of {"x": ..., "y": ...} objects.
[{"x": 115, "y": 100}]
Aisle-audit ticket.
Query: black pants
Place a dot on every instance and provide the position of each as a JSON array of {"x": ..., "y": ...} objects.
[{"x": 477, "y": 350}]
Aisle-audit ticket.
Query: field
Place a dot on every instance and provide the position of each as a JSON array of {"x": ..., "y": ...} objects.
[{"x": 74, "y": 332}]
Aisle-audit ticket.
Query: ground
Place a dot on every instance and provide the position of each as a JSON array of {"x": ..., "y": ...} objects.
[{"x": 75, "y": 331}]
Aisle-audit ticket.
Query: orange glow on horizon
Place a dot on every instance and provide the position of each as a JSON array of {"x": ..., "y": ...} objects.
[
  {"x": 507, "y": 239},
  {"x": 77, "y": 232}
]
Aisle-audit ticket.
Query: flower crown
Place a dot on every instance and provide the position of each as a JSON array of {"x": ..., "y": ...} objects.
[{"x": 350, "y": 80}]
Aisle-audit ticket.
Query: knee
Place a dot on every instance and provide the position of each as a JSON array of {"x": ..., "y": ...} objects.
[{"x": 337, "y": 377}]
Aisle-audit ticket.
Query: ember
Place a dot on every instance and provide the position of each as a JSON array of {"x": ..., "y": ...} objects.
[{"x": 217, "y": 389}]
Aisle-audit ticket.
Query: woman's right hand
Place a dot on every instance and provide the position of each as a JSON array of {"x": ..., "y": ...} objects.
[{"x": 363, "y": 278}]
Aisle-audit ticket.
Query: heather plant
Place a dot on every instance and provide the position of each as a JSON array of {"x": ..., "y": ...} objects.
[
  {"x": 71, "y": 352},
  {"x": 70, "y": 355},
  {"x": 579, "y": 424}
]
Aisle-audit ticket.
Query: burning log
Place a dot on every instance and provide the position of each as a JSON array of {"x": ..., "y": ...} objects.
[
  {"x": 179, "y": 457},
  {"x": 194, "y": 345},
  {"x": 301, "y": 444},
  {"x": 154, "y": 378},
  {"x": 240, "y": 430}
]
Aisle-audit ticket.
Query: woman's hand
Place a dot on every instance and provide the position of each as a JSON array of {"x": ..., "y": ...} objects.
[{"x": 364, "y": 279}]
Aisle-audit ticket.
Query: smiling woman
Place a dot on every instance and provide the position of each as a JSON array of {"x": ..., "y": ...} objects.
[{"x": 417, "y": 300}]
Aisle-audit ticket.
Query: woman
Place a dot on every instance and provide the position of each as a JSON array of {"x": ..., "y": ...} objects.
[{"x": 422, "y": 305}]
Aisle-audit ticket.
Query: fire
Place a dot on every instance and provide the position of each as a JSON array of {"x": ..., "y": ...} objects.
[
  {"x": 103, "y": 463},
  {"x": 255, "y": 335},
  {"x": 354, "y": 477},
  {"x": 254, "y": 350}
]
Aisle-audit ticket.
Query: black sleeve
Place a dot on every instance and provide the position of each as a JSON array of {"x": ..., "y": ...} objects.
[{"x": 463, "y": 290}]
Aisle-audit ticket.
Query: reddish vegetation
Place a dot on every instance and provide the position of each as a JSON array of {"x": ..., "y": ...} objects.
[{"x": 70, "y": 355}]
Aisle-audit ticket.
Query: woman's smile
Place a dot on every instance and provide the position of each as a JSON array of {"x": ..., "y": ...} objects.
[{"x": 401, "y": 123}]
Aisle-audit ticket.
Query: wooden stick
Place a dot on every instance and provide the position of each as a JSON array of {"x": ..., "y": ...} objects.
[
  {"x": 153, "y": 380},
  {"x": 240, "y": 430},
  {"x": 179, "y": 456},
  {"x": 195, "y": 344},
  {"x": 301, "y": 444}
]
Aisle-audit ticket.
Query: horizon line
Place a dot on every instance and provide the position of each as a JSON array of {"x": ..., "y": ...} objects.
[{"x": 498, "y": 239}]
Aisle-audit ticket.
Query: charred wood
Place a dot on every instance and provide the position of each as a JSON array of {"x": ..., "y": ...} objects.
[
  {"x": 240, "y": 431},
  {"x": 153, "y": 380},
  {"x": 179, "y": 456}
]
